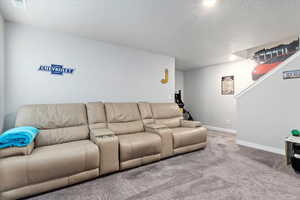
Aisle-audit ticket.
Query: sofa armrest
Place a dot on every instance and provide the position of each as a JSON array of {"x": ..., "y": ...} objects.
[
  {"x": 155, "y": 126},
  {"x": 108, "y": 144},
  {"x": 101, "y": 132},
  {"x": 16, "y": 151},
  {"x": 190, "y": 124},
  {"x": 166, "y": 138}
]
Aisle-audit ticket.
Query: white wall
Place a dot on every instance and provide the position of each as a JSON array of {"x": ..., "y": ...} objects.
[
  {"x": 103, "y": 71},
  {"x": 1, "y": 72},
  {"x": 269, "y": 110},
  {"x": 203, "y": 97},
  {"x": 179, "y": 82}
]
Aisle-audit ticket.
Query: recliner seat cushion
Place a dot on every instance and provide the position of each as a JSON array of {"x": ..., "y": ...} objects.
[
  {"x": 61, "y": 135},
  {"x": 59, "y": 123},
  {"x": 48, "y": 163},
  {"x": 165, "y": 110},
  {"x": 188, "y": 136},
  {"x": 170, "y": 123},
  {"x": 50, "y": 116},
  {"x": 123, "y": 118},
  {"x": 125, "y": 128},
  {"x": 122, "y": 112},
  {"x": 138, "y": 145},
  {"x": 167, "y": 114}
]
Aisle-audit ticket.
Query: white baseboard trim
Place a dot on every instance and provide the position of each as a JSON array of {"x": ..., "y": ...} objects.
[
  {"x": 261, "y": 147},
  {"x": 214, "y": 128}
]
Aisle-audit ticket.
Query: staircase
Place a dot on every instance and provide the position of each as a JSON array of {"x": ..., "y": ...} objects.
[{"x": 269, "y": 109}]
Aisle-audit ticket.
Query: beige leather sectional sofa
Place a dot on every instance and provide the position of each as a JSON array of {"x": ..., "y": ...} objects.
[{"x": 78, "y": 142}]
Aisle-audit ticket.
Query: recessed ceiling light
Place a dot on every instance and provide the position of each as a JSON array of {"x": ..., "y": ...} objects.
[
  {"x": 209, "y": 3},
  {"x": 19, "y": 3},
  {"x": 232, "y": 57}
]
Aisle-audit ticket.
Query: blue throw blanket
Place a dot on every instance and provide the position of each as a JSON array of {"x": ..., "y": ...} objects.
[{"x": 18, "y": 137}]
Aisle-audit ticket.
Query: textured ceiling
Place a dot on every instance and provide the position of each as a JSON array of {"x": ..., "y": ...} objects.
[{"x": 195, "y": 35}]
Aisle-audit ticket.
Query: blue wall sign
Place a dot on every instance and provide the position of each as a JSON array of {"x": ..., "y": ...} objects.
[
  {"x": 291, "y": 74},
  {"x": 56, "y": 69}
]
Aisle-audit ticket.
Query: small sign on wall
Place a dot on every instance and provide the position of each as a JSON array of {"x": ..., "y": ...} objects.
[
  {"x": 227, "y": 85},
  {"x": 166, "y": 78},
  {"x": 291, "y": 74},
  {"x": 56, "y": 69}
]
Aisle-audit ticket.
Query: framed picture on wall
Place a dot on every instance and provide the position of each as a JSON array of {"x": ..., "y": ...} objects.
[{"x": 227, "y": 85}]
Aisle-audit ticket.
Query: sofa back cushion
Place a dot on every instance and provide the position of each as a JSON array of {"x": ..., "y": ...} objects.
[
  {"x": 96, "y": 115},
  {"x": 123, "y": 118},
  {"x": 146, "y": 112},
  {"x": 58, "y": 123},
  {"x": 167, "y": 114}
]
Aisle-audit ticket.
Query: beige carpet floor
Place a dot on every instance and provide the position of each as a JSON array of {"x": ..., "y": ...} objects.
[{"x": 223, "y": 171}]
